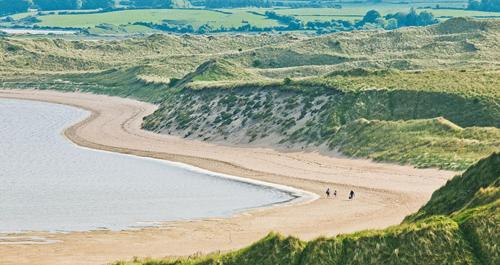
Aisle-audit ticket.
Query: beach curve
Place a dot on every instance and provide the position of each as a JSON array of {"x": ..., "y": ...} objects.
[{"x": 386, "y": 192}]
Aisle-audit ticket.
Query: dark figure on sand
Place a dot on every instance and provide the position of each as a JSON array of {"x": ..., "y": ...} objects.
[
  {"x": 351, "y": 195},
  {"x": 328, "y": 193}
]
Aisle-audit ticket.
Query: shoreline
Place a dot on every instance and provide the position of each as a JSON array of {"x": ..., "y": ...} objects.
[
  {"x": 387, "y": 192},
  {"x": 297, "y": 196}
]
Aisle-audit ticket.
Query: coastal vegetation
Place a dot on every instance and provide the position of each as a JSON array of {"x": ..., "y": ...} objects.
[
  {"x": 459, "y": 225},
  {"x": 425, "y": 96},
  {"x": 409, "y": 86}
]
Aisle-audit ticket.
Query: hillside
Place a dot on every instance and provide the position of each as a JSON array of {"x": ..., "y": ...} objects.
[
  {"x": 214, "y": 70},
  {"x": 466, "y": 232},
  {"x": 426, "y": 96}
]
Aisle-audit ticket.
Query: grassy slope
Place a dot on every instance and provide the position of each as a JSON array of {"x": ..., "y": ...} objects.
[
  {"x": 403, "y": 127},
  {"x": 126, "y": 67},
  {"x": 466, "y": 82},
  {"x": 462, "y": 233},
  {"x": 448, "y": 70},
  {"x": 216, "y": 70},
  {"x": 423, "y": 143},
  {"x": 462, "y": 191}
]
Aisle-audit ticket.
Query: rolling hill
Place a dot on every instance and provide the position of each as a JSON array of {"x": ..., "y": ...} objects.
[{"x": 432, "y": 91}]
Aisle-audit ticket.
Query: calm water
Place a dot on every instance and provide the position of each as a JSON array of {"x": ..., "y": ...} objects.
[
  {"x": 48, "y": 183},
  {"x": 37, "y": 31}
]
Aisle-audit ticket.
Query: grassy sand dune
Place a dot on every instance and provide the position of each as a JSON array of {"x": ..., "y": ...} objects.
[{"x": 242, "y": 90}]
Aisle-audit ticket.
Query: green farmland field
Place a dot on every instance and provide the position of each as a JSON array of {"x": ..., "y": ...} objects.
[
  {"x": 120, "y": 21},
  {"x": 194, "y": 17}
]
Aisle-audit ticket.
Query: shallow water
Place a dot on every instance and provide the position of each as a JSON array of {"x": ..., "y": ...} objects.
[
  {"x": 48, "y": 183},
  {"x": 16, "y": 31}
]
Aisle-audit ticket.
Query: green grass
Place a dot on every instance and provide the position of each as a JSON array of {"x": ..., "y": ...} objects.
[
  {"x": 461, "y": 191},
  {"x": 220, "y": 70},
  {"x": 397, "y": 126},
  {"x": 423, "y": 143},
  {"x": 192, "y": 17},
  {"x": 436, "y": 241},
  {"x": 233, "y": 17},
  {"x": 467, "y": 82},
  {"x": 22, "y": 15},
  {"x": 480, "y": 226}
]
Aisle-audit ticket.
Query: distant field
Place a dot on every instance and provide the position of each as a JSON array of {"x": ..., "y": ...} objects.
[
  {"x": 120, "y": 20},
  {"x": 194, "y": 17}
]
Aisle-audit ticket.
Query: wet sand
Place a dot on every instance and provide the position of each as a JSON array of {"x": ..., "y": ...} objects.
[{"x": 385, "y": 193}]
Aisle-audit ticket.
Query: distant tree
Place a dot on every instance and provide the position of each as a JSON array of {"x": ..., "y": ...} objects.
[
  {"x": 413, "y": 18},
  {"x": 400, "y": 17},
  {"x": 425, "y": 18},
  {"x": 474, "y": 5},
  {"x": 152, "y": 3},
  {"x": 485, "y": 5},
  {"x": 292, "y": 22},
  {"x": 381, "y": 22},
  {"x": 96, "y": 4},
  {"x": 392, "y": 23},
  {"x": 205, "y": 28},
  {"x": 371, "y": 16},
  {"x": 14, "y": 6},
  {"x": 58, "y": 4},
  {"x": 237, "y": 3}
]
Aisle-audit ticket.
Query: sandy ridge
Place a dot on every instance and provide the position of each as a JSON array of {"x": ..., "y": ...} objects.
[{"x": 386, "y": 193}]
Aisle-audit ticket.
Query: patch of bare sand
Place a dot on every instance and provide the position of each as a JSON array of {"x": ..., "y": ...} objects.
[{"x": 385, "y": 192}]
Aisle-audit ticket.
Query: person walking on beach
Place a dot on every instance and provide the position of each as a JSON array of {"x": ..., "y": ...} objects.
[
  {"x": 335, "y": 193},
  {"x": 351, "y": 195},
  {"x": 328, "y": 193}
]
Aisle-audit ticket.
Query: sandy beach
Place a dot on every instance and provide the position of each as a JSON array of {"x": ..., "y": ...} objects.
[{"x": 386, "y": 193}]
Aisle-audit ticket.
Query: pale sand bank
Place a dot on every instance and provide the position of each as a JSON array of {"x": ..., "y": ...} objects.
[{"x": 385, "y": 192}]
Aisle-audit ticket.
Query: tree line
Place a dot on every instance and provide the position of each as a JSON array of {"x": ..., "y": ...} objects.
[
  {"x": 12, "y": 6},
  {"x": 371, "y": 20},
  {"x": 18, "y": 6},
  {"x": 237, "y": 3},
  {"x": 484, "y": 5}
]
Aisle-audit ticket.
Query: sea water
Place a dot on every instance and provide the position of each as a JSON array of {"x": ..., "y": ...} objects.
[{"x": 47, "y": 183}]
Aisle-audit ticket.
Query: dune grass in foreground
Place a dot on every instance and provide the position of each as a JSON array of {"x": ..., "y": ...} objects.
[{"x": 459, "y": 225}]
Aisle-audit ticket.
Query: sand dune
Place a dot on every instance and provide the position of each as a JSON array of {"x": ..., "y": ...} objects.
[{"x": 385, "y": 192}]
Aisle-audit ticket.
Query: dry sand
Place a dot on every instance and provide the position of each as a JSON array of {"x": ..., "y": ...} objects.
[{"x": 386, "y": 193}]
